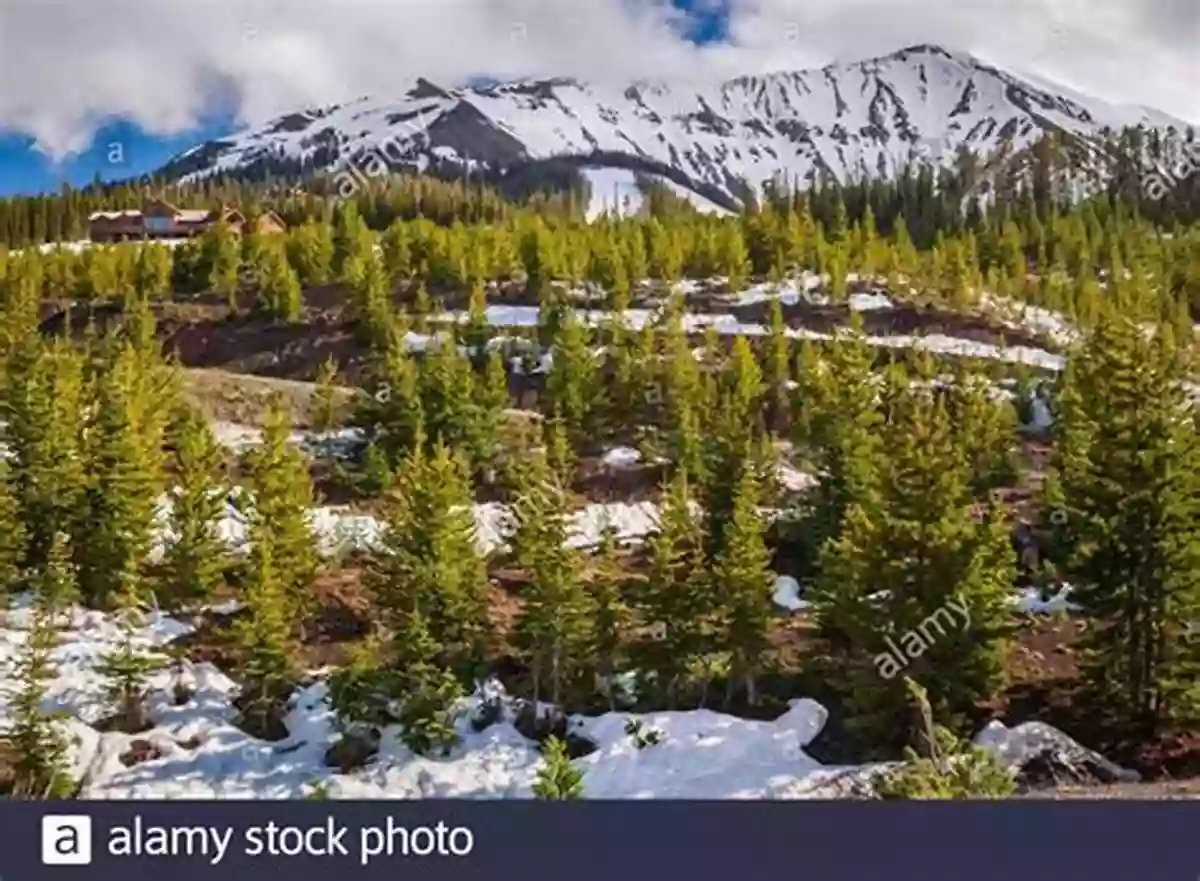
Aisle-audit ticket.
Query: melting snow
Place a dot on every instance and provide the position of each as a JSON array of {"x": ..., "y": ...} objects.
[{"x": 701, "y": 754}]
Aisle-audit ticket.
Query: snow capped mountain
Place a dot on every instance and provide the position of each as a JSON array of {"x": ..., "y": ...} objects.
[{"x": 868, "y": 118}]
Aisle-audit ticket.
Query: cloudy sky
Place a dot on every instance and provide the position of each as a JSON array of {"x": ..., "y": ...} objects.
[{"x": 79, "y": 73}]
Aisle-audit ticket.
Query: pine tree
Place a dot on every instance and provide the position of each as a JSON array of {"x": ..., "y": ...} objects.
[
  {"x": 194, "y": 560},
  {"x": 279, "y": 513},
  {"x": 44, "y": 405},
  {"x": 993, "y": 426},
  {"x": 573, "y": 390},
  {"x": 492, "y": 400},
  {"x": 429, "y": 563},
  {"x": 613, "y": 616},
  {"x": 264, "y": 637},
  {"x": 279, "y": 285},
  {"x": 915, "y": 566},
  {"x": 842, "y": 432},
  {"x": 310, "y": 250},
  {"x": 40, "y": 768},
  {"x": 447, "y": 386},
  {"x": 553, "y": 628},
  {"x": 742, "y": 580},
  {"x": 325, "y": 405},
  {"x": 478, "y": 333},
  {"x": 678, "y": 612},
  {"x": 428, "y": 692},
  {"x": 154, "y": 271},
  {"x": 777, "y": 372},
  {"x": 55, "y": 580},
  {"x": 396, "y": 245},
  {"x": 730, "y": 446},
  {"x": 127, "y": 667},
  {"x": 391, "y": 411},
  {"x": 1127, "y": 475},
  {"x": 682, "y": 393},
  {"x": 223, "y": 257},
  {"x": 557, "y": 778},
  {"x": 12, "y": 533},
  {"x": 124, "y": 455},
  {"x": 373, "y": 308}
]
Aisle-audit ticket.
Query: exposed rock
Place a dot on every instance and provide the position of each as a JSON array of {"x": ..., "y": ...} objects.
[
  {"x": 140, "y": 751},
  {"x": 1042, "y": 756},
  {"x": 353, "y": 750}
]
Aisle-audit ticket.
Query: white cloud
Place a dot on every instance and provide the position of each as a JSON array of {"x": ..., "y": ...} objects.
[
  {"x": 1126, "y": 51},
  {"x": 67, "y": 65}
]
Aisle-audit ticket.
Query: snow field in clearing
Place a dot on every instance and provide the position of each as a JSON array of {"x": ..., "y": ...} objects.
[
  {"x": 201, "y": 754},
  {"x": 703, "y": 754}
]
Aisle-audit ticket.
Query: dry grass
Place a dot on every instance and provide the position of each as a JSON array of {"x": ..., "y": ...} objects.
[{"x": 243, "y": 398}]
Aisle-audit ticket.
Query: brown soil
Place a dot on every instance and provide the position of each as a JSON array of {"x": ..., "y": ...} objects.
[{"x": 206, "y": 333}]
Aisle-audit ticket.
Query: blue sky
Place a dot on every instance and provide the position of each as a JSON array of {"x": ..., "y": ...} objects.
[{"x": 24, "y": 170}]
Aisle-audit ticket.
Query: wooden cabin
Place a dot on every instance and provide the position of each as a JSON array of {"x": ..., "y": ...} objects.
[{"x": 162, "y": 220}]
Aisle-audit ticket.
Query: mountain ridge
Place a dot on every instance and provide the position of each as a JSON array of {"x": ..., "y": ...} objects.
[{"x": 848, "y": 120}]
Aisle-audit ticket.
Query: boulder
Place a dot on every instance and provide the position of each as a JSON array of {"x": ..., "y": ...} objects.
[{"x": 1041, "y": 756}]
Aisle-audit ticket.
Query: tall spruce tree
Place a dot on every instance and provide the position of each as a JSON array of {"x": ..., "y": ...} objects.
[
  {"x": 1127, "y": 495},
  {"x": 607, "y": 581},
  {"x": 12, "y": 533},
  {"x": 842, "y": 431},
  {"x": 917, "y": 578},
  {"x": 742, "y": 580},
  {"x": 116, "y": 522},
  {"x": 554, "y": 625},
  {"x": 279, "y": 513},
  {"x": 678, "y": 612},
  {"x": 326, "y": 409},
  {"x": 45, "y": 405},
  {"x": 194, "y": 559},
  {"x": 41, "y": 765},
  {"x": 573, "y": 388},
  {"x": 428, "y": 562},
  {"x": 428, "y": 692},
  {"x": 264, "y": 636}
]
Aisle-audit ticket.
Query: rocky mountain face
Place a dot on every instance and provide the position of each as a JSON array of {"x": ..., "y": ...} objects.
[{"x": 869, "y": 118}]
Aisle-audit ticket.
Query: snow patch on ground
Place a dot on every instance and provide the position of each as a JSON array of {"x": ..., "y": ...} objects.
[
  {"x": 1054, "y": 326},
  {"x": 622, "y": 458},
  {"x": 340, "y": 529},
  {"x": 1031, "y": 602},
  {"x": 787, "y": 594},
  {"x": 701, "y": 754},
  {"x": 729, "y": 325},
  {"x": 795, "y": 481}
]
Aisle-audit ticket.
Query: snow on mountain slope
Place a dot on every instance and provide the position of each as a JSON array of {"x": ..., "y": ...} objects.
[
  {"x": 618, "y": 192},
  {"x": 615, "y": 191},
  {"x": 867, "y": 118}
]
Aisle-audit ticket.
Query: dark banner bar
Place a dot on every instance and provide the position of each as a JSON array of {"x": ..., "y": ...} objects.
[{"x": 600, "y": 841}]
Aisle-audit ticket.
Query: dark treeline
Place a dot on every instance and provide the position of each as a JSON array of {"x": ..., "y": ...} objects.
[
  {"x": 1065, "y": 261},
  {"x": 1151, "y": 174}
]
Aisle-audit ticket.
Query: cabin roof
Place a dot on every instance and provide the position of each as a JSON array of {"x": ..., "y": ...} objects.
[{"x": 113, "y": 215}]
